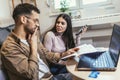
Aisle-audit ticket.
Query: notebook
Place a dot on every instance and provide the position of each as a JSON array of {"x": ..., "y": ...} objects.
[
  {"x": 103, "y": 61},
  {"x": 83, "y": 49}
]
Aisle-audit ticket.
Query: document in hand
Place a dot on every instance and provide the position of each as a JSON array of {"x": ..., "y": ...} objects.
[{"x": 83, "y": 49}]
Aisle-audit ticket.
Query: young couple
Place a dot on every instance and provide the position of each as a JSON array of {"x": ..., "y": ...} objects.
[{"x": 23, "y": 55}]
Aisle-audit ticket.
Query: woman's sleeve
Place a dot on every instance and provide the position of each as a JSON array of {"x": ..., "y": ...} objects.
[{"x": 48, "y": 41}]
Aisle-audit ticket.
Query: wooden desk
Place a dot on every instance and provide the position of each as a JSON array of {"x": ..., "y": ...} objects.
[{"x": 83, "y": 75}]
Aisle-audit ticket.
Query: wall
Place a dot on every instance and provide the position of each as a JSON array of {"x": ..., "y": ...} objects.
[
  {"x": 4, "y": 9},
  {"x": 5, "y": 13},
  {"x": 46, "y": 20}
]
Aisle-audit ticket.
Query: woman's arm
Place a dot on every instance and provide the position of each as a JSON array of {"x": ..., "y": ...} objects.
[{"x": 79, "y": 34}]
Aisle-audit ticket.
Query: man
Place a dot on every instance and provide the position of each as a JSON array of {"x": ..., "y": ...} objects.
[{"x": 23, "y": 56}]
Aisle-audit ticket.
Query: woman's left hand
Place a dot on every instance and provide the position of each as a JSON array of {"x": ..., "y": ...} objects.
[{"x": 84, "y": 29}]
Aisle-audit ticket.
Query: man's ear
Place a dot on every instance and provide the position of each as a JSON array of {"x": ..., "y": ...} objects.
[{"x": 23, "y": 19}]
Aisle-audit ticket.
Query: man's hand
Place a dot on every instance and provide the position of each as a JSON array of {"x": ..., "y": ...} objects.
[{"x": 32, "y": 39}]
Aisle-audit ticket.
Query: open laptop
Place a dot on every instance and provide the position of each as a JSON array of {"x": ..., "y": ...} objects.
[{"x": 103, "y": 61}]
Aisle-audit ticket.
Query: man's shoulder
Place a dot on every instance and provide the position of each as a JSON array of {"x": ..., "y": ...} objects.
[{"x": 8, "y": 43}]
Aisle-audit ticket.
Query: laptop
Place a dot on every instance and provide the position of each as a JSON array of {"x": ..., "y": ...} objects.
[{"x": 103, "y": 61}]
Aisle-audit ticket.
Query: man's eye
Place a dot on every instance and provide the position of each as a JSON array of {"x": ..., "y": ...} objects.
[{"x": 36, "y": 20}]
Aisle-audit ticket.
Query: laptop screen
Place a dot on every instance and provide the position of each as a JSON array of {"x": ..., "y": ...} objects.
[{"x": 114, "y": 47}]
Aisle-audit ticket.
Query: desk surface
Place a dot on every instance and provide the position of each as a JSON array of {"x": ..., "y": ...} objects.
[{"x": 83, "y": 75}]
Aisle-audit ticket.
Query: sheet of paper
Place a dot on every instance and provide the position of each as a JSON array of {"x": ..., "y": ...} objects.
[
  {"x": 72, "y": 55},
  {"x": 86, "y": 48}
]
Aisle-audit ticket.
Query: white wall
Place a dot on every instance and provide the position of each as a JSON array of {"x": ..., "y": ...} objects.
[
  {"x": 5, "y": 13},
  {"x": 4, "y": 9},
  {"x": 46, "y": 21}
]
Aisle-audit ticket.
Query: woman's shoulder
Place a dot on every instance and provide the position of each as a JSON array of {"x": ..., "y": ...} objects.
[{"x": 50, "y": 33}]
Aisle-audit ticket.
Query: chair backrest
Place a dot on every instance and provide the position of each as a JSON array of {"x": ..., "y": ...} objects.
[{"x": 4, "y": 32}]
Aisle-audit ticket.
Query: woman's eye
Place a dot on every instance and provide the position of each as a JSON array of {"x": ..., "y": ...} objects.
[{"x": 62, "y": 23}]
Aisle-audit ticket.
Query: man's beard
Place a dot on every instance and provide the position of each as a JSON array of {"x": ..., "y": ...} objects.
[{"x": 29, "y": 30}]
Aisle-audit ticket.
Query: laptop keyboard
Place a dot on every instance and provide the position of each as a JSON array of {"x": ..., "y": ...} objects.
[{"x": 104, "y": 60}]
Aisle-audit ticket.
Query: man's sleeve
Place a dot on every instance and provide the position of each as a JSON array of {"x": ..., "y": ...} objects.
[
  {"x": 51, "y": 56},
  {"x": 18, "y": 63}
]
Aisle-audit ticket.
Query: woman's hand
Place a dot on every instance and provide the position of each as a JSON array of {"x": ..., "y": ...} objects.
[
  {"x": 70, "y": 51},
  {"x": 82, "y": 31}
]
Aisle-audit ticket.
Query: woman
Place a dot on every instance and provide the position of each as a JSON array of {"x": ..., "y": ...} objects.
[{"x": 59, "y": 39}]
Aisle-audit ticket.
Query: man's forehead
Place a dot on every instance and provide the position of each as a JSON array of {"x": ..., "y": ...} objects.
[{"x": 34, "y": 14}]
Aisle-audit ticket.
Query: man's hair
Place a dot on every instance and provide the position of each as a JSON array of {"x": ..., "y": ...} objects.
[{"x": 24, "y": 9}]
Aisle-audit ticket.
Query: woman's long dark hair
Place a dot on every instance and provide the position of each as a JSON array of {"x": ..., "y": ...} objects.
[{"x": 68, "y": 34}]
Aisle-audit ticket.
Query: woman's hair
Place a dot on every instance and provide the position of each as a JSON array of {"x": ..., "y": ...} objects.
[{"x": 68, "y": 34}]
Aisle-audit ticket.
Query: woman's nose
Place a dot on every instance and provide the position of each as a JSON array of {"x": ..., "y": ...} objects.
[{"x": 59, "y": 24}]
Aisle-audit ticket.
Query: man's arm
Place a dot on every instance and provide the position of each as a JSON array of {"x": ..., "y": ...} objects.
[{"x": 16, "y": 62}]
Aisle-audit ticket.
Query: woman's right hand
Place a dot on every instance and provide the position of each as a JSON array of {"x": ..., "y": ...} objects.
[{"x": 70, "y": 51}]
